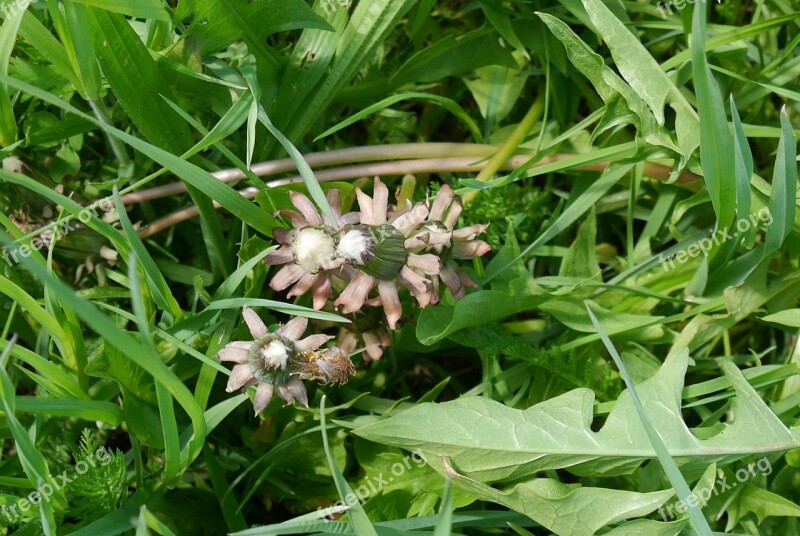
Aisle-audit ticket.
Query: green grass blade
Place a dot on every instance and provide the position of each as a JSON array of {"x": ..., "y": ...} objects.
[
  {"x": 33, "y": 462},
  {"x": 783, "y": 202},
  {"x": 667, "y": 462},
  {"x": 358, "y": 518},
  {"x": 141, "y": 9},
  {"x": 126, "y": 344},
  {"x": 88, "y": 410},
  {"x": 157, "y": 285},
  {"x": 45, "y": 319},
  {"x": 8, "y": 36},
  {"x": 716, "y": 147},
  {"x": 445, "y": 522},
  {"x": 197, "y": 177},
  {"x": 448, "y": 104},
  {"x": 166, "y": 411},
  {"x": 281, "y": 307}
]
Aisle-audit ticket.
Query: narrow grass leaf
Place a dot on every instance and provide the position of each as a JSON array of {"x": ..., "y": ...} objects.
[
  {"x": 358, "y": 518},
  {"x": 667, "y": 462},
  {"x": 197, "y": 177},
  {"x": 448, "y": 104}
]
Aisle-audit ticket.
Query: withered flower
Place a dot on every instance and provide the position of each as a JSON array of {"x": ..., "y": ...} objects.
[
  {"x": 376, "y": 250},
  {"x": 437, "y": 234},
  {"x": 308, "y": 250},
  {"x": 268, "y": 359}
]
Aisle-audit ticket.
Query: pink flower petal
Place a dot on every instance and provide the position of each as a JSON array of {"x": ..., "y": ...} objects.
[
  {"x": 418, "y": 241},
  {"x": 412, "y": 280},
  {"x": 334, "y": 198},
  {"x": 347, "y": 340},
  {"x": 354, "y": 295},
  {"x": 453, "y": 282},
  {"x": 391, "y": 302},
  {"x": 302, "y": 286},
  {"x": 470, "y": 249},
  {"x": 257, "y": 327},
  {"x": 284, "y": 236},
  {"x": 286, "y": 276},
  {"x": 294, "y": 328},
  {"x": 312, "y": 342},
  {"x": 293, "y": 390},
  {"x": 372, "y": 345},
  {"x": 471, "y": 232},
  {"x": 465, "y": 280},
  {"x": 451, "y": 216},
  {"x": 429, "y": 264},
  {"x": 282, "y": 255},
  {"x": 240, "y": 376},
  {"x": 244, "y": 345},
  {"x": 263, "y": 397},
  {"x": 296, "y": 218},
  {"x": 306, "y": 208},
  {"x": 365, "y": 203},
  {"x": 231, "y": 353},
  {"x": 380, "y": 202},
  {"x": 408, "y": 221},
  {"x": 351, "y": 218},
  {"x": 321, "y": 290},
  {"x": 441, "y": 202}
]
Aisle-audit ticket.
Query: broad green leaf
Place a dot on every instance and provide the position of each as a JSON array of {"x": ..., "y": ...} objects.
[
  {"x": 496, "y": 90},
  {"x": 763, "y": 504},
  {"x": 565, "y": 509},
  {"x": 611, "y": 87},
  {"x": 488, "y": 441}
]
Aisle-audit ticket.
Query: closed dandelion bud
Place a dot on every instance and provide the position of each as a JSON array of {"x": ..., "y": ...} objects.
[{"x": 378, "y": 251}]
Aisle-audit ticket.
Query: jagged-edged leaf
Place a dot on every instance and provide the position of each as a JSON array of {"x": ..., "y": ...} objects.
[
  {"x": 567, "y": 509},
  {"x": 491, "y": 442},
  {"x": 646, "y": 77},
  {"x": 608, "y": 84}
]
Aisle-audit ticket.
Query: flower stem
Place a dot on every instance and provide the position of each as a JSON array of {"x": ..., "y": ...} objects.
[{"x": 511, "y": 145}]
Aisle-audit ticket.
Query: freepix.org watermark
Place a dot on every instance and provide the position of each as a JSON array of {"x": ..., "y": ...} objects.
[
  {"x": 375, "y": 484},
  {"x": 664, "y": 7},
  {"x": 10, "y": 9},
  {"x": 332, "y": 6},
  {"x": 716, "y": 238},
  {"x": 11, "y": 254},
  {"x": 721, "y": 485},
  {"x": 44, "y": 491}
]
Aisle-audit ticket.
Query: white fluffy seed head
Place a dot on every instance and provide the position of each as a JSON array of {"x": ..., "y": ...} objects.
[
  {"x": 355, "y": 246},
  {"x": 312, "y": 249},
  {"x": 275, "y": 354}
]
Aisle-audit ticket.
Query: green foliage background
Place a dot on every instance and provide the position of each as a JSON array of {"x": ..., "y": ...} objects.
[{"x": 587, "y": 386}]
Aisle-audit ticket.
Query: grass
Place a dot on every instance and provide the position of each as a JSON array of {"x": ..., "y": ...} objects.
[{"x": 629, "y": 349}]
